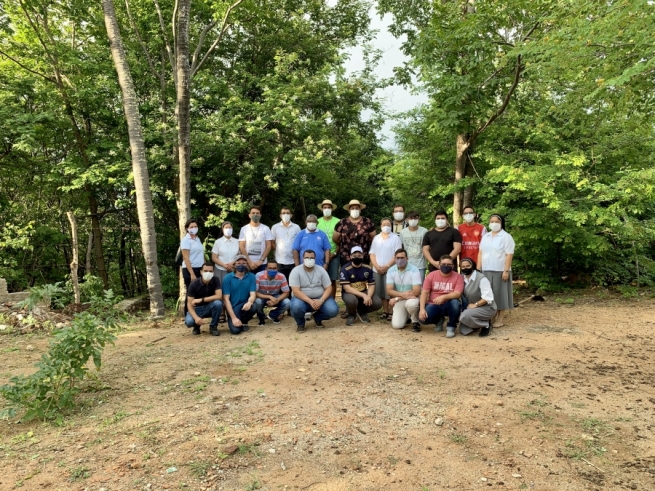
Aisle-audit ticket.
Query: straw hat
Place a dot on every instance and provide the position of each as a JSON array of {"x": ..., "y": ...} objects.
[
  {"x": 327, "y": 202},
  {"x": 354, "y": 202}
]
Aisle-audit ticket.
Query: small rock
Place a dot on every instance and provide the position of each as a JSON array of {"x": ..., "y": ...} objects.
[
  {"x": 518, "y": 476},
  {"x": 229, "y": 450},
  {"x": 271, "y": 450},
  {"x": 499, "y": 403},
  {"x": 60, "y": 325},
  {"x": 196, "y": 374},
  {"x": 588, "y": 438},
  {"x": 284, "y": 467},
  {"x": 438, "y": 421},
  {"x": 3, "y": 327},
  {"x": 170, "y": 470},
  {"x": 29, "y": 347},
  {"x": 483, "y": 479},
  {"x": 302, "y": 369}
]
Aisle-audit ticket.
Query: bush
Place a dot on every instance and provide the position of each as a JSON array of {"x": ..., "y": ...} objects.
[
  {"x": 53, "y": 296},
  {"x": 51, "y": 390}
]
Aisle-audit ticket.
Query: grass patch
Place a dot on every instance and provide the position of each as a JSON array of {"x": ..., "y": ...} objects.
[
  {"x": 78, "y": 473},
  {"x": 199, "y": 469},
  {"x": 119, "y": 416},
  {"x": 196, "y": 384},
  {"x": 458, "y": 438}
]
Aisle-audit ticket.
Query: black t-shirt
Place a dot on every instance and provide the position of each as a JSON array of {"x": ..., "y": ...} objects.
[
  {"x": 358, "y": 278},
  {"x": 441, "y": 243},
  {"x": 198, "y": 289}
]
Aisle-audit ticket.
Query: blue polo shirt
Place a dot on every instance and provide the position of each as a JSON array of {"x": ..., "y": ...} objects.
[
  {"x": 316, "y": 241},
  {"x": 238, "y": 289}
]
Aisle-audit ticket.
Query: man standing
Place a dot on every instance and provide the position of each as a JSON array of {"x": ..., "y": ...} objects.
[
  {"x": 412, "y": 239},
  {"x": 239, "y": 296},
  {"x": 440, "y": 296},
  {"x": 327, "y": 224},
  {"x": 204, "y": 300},
  {"x": 272, "y": 290},
  {"x": 399, "y": 222},
  {"x": 284, "y": 233},
  {"x": 255, "y": 241},
  {"x": 404, "y": 288},
  {"x": 440, "y": 241},
  {"x": 314, "y": 240},
  {"x": 472, "y": 234},
  {"x": 311, "y": 293},
  {"x": 358, "y": 288},
  {"x": 354, "y": 230}
]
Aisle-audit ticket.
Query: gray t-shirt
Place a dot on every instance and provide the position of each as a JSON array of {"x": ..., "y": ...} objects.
[{"x": 312, "y": 283}]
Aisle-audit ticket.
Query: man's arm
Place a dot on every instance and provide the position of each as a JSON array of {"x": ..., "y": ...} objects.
[
  {"x": 192, "y": 310},
  {"x": 457, "y": 248},
  {"x": 242, "y": 247},
  {"x": 349, "y": 289},
  {"x": 299, "y": 294},
  {"x": 371, "y": 289},
  {"x": 428, "y": 256}
]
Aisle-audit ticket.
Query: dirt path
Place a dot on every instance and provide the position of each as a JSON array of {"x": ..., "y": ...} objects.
[{"x": 563, "y": 398}]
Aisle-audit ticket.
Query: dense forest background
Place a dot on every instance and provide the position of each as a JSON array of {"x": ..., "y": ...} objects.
[{"x": 543, "y": 111}]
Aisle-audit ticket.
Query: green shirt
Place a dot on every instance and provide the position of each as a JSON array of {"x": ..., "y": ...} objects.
[{"x": 328, "y": 227}]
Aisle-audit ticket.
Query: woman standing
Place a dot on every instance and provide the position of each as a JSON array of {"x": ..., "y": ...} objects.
[
  {"x": 224, "y": 252},
  {"x": 382, "y": 256},
  {"x": 478, "y": 306},
  {"x": 495, "y": 262},
  {"x": 193, "y": 255}
]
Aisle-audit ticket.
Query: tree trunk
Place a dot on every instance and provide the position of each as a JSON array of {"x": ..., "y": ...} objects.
[
  {"x": 468, "y": 191},
  {"x": 76, "y": 259},
  {"x": 183, "y": 111},
  {"x": 97, "y": 241},
  {"x": 139, "y": 163},
  {"x": 460, "y": 171},
  {"x": 89, "y": 251},
  {"x": 122, "y": 260}
]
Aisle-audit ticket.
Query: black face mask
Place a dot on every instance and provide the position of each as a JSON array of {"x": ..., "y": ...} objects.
[
  {"x": 466, "y": 271},
  {"x": 358, "y": 260}
]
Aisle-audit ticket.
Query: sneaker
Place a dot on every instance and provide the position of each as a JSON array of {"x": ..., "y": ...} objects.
[
  {"x": 196, "y": 330},
  {"x": 450, "y": 332},
  {"x": 214, "y": 331},
  {"x": 416, "y": 327},
  {"x": 485, "y": 331},
  {"x": 262, "y": 322},
  {"x": 308, "y": 316},
  {"x": 275, "y": 321},
  {"x": 438, "y": 328},
  {"x": 300, "y": 329},
  {"x": 440, "y": 324},
  {"x": 245, "y": 328},
  {"x": 318, "y": 323},
  {"x": 364, "y": 318},
  {"x": 351, "y": 320}
]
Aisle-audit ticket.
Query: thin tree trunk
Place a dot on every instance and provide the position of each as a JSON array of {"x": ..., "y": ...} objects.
[
  {"x": 76, "y": 260},
  {"x": 183, "y": 112},
  {"x": 139, "y": 163},
  {"x": 460, "y": 170},
  {"x": 121, "y": 264},
  {"x": 468, "y": 191},
  {"x": 97, "y": 241},
  {"x": 89, "y": 251}
]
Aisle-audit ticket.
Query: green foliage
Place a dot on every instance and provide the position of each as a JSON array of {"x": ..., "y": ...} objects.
[
  {"x": 51, "y": 390},
  {"x": 51, "y": 296}
]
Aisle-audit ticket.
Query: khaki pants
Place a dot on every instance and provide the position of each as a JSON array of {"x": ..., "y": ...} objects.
[{"x": 402, "y": 309}]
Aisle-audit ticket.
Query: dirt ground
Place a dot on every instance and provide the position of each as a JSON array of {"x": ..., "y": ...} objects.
[{"x": 561, "y": 398}]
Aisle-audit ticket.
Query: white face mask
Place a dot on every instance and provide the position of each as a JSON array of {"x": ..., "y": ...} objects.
[
  {"x": 193, "y": 230},
  {"x": 227, "y": 232},
  {"x": 286, "y": 218},
  {"x": 398, "y": 216},
  {"x": 441, "y": 223},
  {"x": 354, "y": 213},
  {"x": 494, "y": 227},
  {"x": 469, "y": 217},
  {"x": 386, "y": 229},
  {"x": 311, "y": 226},
  {"x": 207, "y": 276},
  {"x": 327, "y": 212},
  {"x": 413, "y": 223},
  {"x": 309, "y": 262}
]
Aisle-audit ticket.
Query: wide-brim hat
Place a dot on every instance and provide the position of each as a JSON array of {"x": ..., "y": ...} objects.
[
  {"x": 354, "y": 202},
  {"x": 327, "y": 202}
]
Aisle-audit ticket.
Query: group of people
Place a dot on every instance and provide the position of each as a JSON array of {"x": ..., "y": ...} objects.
[{"x": 406, "y": 271}]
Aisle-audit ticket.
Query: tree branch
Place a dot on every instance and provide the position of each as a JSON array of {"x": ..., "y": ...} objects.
[
  {"x": 49, "y": 79},
  {"x": 201, "y": 41},
  {"x": 171, "y": 59},
  {"x": 224, "y": 26},
  {"x": 143, "y": 45}
]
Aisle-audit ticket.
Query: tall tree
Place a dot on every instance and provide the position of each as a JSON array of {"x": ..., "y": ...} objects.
[{"x": 139, "y": 162}]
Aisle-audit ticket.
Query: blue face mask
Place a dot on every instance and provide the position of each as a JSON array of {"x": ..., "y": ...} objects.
[
  {"x": 241, "y": 268},
  {"x": 272, "y": 273}
]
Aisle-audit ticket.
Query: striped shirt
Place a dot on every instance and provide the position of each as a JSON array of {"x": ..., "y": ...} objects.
[
  {"x": 404, "y": 281},
  {"x": 271, "y": 287}
]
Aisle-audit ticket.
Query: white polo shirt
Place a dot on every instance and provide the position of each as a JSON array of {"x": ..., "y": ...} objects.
[
  {"x": 284, "y": 237},
  {"x": 226, "y": 249},
  {"x": 196, "y": 251},
  {"x": 494, "y": 249},
  {"x": 255, "y": 239}
]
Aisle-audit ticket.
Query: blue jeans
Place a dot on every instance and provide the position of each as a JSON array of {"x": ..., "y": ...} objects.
[
  {"x": 243, "y": 315},
  {"x": 451, "y": 309},
  {"x": 213, "y": 310},
  {"x": 274, "y": 313},
  {"x": 299, "y": 307}
]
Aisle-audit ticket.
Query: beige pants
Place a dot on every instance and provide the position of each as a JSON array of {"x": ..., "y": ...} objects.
[{"x": 401, "y": 310}]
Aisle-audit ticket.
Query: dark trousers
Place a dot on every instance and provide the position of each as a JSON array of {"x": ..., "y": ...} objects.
[
  {"x": 212, "y": 309},
  {"x": 285, "y": 269},
  {"x": 450, "y": 309},
  {"x": 187, "y": 281},
  {"x": 355, "y": 304},
  {"x": 243, "y": 315}
]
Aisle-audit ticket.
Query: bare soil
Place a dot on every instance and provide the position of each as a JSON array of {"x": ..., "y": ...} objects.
[{"x": 561, "y": 398}]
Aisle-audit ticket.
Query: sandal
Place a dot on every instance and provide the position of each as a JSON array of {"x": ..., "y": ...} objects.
[{"x": 385, "y": 316}]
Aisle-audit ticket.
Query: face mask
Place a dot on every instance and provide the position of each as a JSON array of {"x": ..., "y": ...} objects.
[
  {"x": 272, "y": 273},
  {"x": 309, "y": 262},
  {"x": 207, "y": 276},
  {"x": 494, "y": 227},
  {"x": 358, "y": 260},
  {"x": 354, "y": 213},
  {"x": 256, "y": 218},
  {"x": 193, "y": 231},
  {"x": 311, "y": 226},
  {"x": 446, "y": 268},
  {"x": 440, "y": 223},
  {"x": 469, "y": 217},
  {"x": 286, "y": 218},
  {"x": 327, "y": 212},
  {"x": 466, "y": 271},
  {"x": 386, "y": 229},
  {"x": 241, "y": 268},
  {"x": 413, "y": 223},
  {"x": 227, "y": 232},
  {"x": 398, "y": 216},
  {"x": 401, "y": 263}
]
